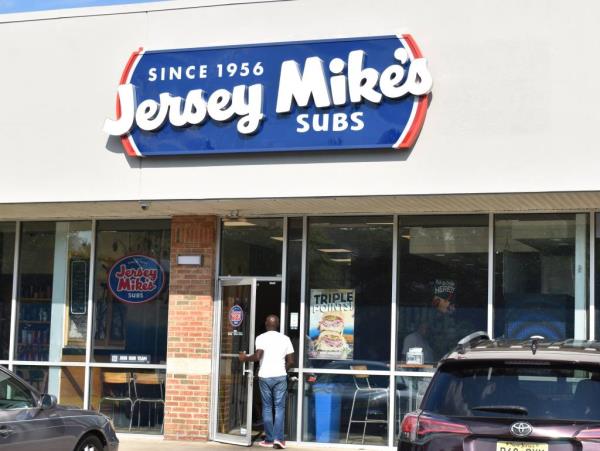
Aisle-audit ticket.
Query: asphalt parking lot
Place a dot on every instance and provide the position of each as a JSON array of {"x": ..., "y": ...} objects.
[{"x": 129, "y": 443}]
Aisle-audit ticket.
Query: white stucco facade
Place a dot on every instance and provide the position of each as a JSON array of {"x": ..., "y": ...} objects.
[{"x": 513, "y": 107}]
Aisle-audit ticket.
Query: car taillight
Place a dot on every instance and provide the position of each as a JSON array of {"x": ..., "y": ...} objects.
[
  {"x": 589, "y": 434},
  {"x": 420, "y": 428},
  {"x": 429, "y": 426},
  {"x": 409, "y": 427}
]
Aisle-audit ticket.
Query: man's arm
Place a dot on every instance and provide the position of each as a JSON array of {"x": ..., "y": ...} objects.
[
  {"x": 289, "y": 361},
  {"x": 258, "y": 354}
]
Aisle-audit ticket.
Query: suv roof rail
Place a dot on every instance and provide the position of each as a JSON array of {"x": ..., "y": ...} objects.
[{"x": 471, "y": 340}]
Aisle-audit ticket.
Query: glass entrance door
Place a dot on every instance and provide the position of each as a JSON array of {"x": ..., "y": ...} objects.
[{"x": 235, "y": 385}]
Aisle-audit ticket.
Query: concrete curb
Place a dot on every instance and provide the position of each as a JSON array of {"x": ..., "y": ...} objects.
[{"x": 158, "y": 444}]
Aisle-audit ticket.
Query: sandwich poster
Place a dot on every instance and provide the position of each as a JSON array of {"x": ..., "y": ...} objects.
[{"x": 331, "y": 326}]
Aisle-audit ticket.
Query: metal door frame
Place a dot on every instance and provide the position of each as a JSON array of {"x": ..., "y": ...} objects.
[
  {"x": 229, "y": 438},
  {"x": 228, "y": 282}
]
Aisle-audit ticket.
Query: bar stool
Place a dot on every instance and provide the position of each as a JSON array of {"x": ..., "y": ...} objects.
[
  {"x": 116, "y": 388},
  {"x": 364, "y": 390}
]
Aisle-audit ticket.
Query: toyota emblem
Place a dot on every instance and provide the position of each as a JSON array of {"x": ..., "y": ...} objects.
[{"x": 521, "y": 429}]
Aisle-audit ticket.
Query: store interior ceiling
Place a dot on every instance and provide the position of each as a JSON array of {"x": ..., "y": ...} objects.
[{"x": 380, "y": 205}]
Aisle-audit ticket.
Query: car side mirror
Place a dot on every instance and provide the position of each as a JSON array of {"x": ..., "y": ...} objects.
[{"x": 48, "y": 402}]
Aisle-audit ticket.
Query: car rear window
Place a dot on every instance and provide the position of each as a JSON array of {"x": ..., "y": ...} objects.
[{"x": 530, "y": 390}]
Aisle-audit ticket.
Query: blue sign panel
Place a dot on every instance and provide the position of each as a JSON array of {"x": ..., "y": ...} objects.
[
  {"x": 136, "y": 279},
  {"x": 359, "y": 93}
]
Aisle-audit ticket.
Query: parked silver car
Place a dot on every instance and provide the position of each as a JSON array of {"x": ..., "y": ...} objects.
[{"x": 32, "y": 421}]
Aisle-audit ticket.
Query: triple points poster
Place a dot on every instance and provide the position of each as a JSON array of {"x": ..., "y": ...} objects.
[{"x": 331, "y": 326}]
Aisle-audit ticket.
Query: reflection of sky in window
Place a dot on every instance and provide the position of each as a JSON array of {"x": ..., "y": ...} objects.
[{"x": 17, "y": 6}]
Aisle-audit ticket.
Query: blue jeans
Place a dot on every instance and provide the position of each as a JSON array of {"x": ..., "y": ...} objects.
[{"x": 273, "y": 391}]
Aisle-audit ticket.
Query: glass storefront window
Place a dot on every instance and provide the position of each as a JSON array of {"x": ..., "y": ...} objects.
[
  {"x": 442, "y": 285},
  {"x": 71, "y": 387},
  {"x": 541, "y": 276},
  {"x": 336, "y": 405},
  {"x": 53, "y": 281},
  {"x": 251, "y": 247},
  {"x": 66, "y": 383},
  {"x": 36, "y": 376},
  {"x": 53, "y": 289},
  {"x": 126, "y": 330},
  {"x": 348, "y": 305},
  {"x": 409, "y": 393},
  {"x": 7, "y": 253},
  {"x": 596, "y": 277},
  {"x": 133, "y": 398},
  {"x": 35, "y": 291}
]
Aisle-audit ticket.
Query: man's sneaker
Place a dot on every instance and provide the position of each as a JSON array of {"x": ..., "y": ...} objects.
[
  {"x": 266, "y": 444},
  {"x": 278, "y": 444}
]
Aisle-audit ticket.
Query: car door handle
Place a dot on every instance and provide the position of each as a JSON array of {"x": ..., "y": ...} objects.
[{"x": 5, "y": 431}]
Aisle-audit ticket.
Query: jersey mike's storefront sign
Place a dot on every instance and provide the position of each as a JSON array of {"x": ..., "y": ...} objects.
[
  {"x": 316, "y": 95},
  {"x": 136, "y": 279}
]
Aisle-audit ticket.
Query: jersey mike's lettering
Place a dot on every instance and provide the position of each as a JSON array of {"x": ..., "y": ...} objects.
[
  {"x": 354, "y": 93},
  {"x": 243, "y": 102},
  {"x": 136, "y": 278},
  {"x": 360, "y": 82}
]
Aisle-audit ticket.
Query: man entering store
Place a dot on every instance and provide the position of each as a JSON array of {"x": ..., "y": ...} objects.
[{"x": 275, "y": 353}]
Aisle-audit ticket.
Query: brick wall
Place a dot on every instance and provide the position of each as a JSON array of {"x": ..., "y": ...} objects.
[{"x": 189, "y": 349}]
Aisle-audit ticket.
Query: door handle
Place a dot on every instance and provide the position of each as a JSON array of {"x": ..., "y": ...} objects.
[
  {"x": 246, "y": 370},
  {"x": 5, "y": 431}
]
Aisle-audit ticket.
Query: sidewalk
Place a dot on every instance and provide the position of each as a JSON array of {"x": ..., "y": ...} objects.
[{"x": 157, "y": 444}]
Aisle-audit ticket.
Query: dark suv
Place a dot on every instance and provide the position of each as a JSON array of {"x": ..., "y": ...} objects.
[{"x": 502, "y": 395}]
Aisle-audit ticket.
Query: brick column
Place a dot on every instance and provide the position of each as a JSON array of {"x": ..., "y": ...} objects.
[{"x": 189, "y": 349}]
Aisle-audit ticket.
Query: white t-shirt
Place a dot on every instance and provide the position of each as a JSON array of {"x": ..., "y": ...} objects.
[{"x": 275, "y": 347}]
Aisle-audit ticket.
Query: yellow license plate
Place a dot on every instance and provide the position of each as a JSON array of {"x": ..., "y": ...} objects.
[{"x": 521, "y": 446}]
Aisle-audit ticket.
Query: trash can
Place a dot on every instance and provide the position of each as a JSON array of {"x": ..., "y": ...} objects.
[
  {"x": 292, "y": 406},
  {"x": 328, "y": 402}
]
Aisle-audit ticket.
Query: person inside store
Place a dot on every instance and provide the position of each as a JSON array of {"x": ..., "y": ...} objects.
[
  {"x": 275, "y": 353},
  {"x": 418, "y": 339}
]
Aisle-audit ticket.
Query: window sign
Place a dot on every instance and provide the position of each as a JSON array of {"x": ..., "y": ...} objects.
[
  {"x": 79, "y": 287},
  {"x": 294, "y": 321},
  {"x": 331, "y": 324},
  {"x": 130, "y": 358},
  {"x": 136, "y": 279},
  {"x": 357, "y": 93},
  {"x": 236, "y": 316}
]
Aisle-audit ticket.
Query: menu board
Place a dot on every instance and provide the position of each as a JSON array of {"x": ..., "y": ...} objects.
[{"x": 331, "y": 326}]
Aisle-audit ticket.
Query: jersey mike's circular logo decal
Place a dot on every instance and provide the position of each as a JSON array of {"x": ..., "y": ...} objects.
[
  {"x": 236, "y": 316},
  {"x": 136, "y": 279}
]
